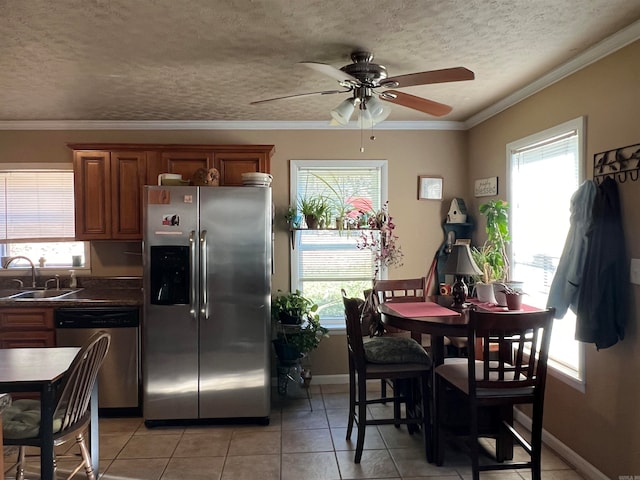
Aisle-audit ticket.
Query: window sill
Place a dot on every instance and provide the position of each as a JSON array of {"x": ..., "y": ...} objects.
[{"x": 566, "y": 375}]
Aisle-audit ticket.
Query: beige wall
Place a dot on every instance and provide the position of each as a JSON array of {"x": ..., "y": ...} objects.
[
  {"x": 409, "y": 153},
  {"x": 603, "y": 424}
]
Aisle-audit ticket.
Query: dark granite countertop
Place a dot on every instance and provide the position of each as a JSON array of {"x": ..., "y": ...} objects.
[{"x": 90, "y": 292}]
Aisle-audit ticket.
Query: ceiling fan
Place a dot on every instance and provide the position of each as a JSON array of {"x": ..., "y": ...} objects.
[{"x": 364, "y": 79}]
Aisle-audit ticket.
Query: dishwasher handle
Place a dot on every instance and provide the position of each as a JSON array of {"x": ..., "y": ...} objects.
[{"x": 97, "y": 318}]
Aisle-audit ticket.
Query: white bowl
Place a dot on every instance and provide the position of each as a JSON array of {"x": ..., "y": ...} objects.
[
  {"x": 168, "y": 176},
  {"x": 257, "y": 176}
]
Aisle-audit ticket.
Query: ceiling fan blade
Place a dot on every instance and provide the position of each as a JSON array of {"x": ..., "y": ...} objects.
[
  {"x": 455, "y": 74},
  {"x": 324, "y": 92},
  {"x": 332, "y": 72},
  {"x": 417, "y": 103}
]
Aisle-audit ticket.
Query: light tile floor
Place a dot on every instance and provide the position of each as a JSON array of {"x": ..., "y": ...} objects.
[{"x": 298, "y": 444}]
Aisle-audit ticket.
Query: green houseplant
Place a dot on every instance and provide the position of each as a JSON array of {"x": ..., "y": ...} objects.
[
  {"x": 298, "y": 326},
  {"x": 314, "y": 208},
  {"x": 492, "y": 256}
]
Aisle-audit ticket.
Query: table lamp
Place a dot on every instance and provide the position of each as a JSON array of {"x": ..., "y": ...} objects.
[{"x": 460, "y": 263}]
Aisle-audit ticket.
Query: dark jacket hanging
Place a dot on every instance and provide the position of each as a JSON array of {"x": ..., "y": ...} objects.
[{"x": 603, "y": 304}]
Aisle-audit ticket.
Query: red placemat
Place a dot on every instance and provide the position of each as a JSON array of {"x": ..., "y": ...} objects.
[
  {"x": 421, "y": 309},
  {"x": 492, "y": 307}
]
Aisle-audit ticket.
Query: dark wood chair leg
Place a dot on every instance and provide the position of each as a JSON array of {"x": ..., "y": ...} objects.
[
  {"x": 352, "y": 398},
  {"x": 362, "y": 417}
]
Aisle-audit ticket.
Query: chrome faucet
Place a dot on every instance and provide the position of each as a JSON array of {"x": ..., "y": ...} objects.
[
  {"x": 33, "y": 267},
  {"x": 56, "y": 279}
]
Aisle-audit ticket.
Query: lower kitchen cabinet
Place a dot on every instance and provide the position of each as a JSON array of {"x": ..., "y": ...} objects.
[{"x": 26, "y": 327}]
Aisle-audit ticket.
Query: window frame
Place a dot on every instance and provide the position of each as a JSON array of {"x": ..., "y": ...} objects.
[
  {"x": 335, "y": 325},
  {"x": 574, "y": 378},
  {"x": 41, "y": 166}
]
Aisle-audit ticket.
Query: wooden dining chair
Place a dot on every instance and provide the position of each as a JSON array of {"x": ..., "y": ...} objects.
[
  {"x": 400, "y": 359},
  {"x": 71, "y": 415},
  {"x": 401, "y": 290},
  {"x": 516, "y": 376}
]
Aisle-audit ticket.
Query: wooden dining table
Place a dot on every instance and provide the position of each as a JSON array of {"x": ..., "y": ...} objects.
[
  {"x": 437, "y": 321},
  {"x": 41, "y": 370},
  {"x": 426, "y": 318}
]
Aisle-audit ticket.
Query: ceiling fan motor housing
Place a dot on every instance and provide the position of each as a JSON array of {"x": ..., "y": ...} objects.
[{"x": 368, "y": 74}]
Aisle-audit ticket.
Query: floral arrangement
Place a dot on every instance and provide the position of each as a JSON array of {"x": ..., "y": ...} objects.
[{"x": 381, "y": 240}]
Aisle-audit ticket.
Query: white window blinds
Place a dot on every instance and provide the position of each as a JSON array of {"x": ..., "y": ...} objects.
[
  {"x": 36, "y": 205},
  {"x": 327, "y": 260},
  {"x": 545, "y": 171}
]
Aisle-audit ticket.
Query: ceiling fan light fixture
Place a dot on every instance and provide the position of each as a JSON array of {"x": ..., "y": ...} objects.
[
  {"x": 342, "y": 113},
  {"x": 372, "y": 112}
]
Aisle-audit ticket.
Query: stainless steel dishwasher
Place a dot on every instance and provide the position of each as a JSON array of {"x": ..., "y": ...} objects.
[{"x": 118, "y": 379}]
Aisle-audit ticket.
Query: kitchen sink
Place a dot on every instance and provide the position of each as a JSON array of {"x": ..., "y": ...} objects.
[{"x": 36, "y": 294}]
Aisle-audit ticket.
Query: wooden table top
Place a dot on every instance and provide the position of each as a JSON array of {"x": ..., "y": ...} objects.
[{"x": 34, "y": 365}]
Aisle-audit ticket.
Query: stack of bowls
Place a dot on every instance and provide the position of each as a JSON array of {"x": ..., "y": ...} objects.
[{"x": 256, "y": 179}]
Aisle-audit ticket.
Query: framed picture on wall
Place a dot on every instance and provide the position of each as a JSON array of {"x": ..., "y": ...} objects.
[{"x": 429, "y": 188}]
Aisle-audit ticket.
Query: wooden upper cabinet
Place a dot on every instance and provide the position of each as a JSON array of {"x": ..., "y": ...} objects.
[
  {"x": 128, "y": 175},
  {"x": 92, "y": 181},
  {"x": 109, "y": 179},
  {"x": 108, "y": 193},
  {"x": 184, "y": 163},
  {"x": 232, "y": 165}
]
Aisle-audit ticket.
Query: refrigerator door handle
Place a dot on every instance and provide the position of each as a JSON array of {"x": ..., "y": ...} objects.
[
  {"x": 204, "y": 307},
  {"x": 193, "y": 294}
]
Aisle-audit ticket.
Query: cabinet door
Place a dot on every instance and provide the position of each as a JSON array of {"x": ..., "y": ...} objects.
[
  {"x": 232, "y": 165},
  {"x": 26, "y": 327},
  {"x": 128, "y": 174},
  {"x": 26, "y": 339},
  {"x": 185, "y": 163},
  {"x": 92, "y": 178}
]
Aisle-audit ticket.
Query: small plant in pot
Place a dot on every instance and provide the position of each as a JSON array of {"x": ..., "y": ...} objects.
[
  {"x": 299, "y": 330},
  {"x": 292, "y": 217},
  {"x": 291, "y": 308},
  {"x": 513, "y": 297},
  {"x": 315, "y": 210}
]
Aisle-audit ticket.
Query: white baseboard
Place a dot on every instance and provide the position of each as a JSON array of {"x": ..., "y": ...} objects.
[
  {"x": 342, "y": 379},
  {"x": 580, "y": 464}
]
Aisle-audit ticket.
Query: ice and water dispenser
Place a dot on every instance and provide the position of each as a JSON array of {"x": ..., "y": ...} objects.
[{"x": 169, "y": 274}]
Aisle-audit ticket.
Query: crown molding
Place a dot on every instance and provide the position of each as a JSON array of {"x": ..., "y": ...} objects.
[
  {"x": 600, "y": 50},
  {"x": 215, "y": 125}
]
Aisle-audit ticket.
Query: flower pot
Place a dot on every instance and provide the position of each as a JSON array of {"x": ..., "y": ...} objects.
[
  {"x": 499, "y": 294},
  {"x": 288, "y": 319},
  {"x": 311, "y": 221},
  {"x": 514, "y": 301},
  {"x": 484, "y": 293},
  {"x": 286, "y": 353}
]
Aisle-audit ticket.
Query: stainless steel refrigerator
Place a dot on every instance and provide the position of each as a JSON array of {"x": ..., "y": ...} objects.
[{"x": 207, "y": 294}]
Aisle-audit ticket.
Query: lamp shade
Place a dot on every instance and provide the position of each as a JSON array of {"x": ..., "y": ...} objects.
[
  {"x": 374, "y": 112},
  {"x": 460, "y": 262},
  {"x": 342, "y": 113}
]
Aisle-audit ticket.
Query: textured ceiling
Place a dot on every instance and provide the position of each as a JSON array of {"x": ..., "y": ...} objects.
[{"x": 207, "y": 59}]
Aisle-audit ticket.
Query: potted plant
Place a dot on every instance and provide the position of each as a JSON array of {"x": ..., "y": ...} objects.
[
  {"x": 339, "y": 199},
  {"x": 298, "y": 326},
  {"x": 513, "y": 297},
  {"x": 292, "y": 217},
  {"x": 492, "y": 256},
  {"x": 315, "y": 209}
]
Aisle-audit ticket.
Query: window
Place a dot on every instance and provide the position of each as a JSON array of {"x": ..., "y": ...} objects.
[
  {"x": 326, "y": 260},
  {"x": 37, "y": 217},
  {"x": 545, "y": 170}
]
